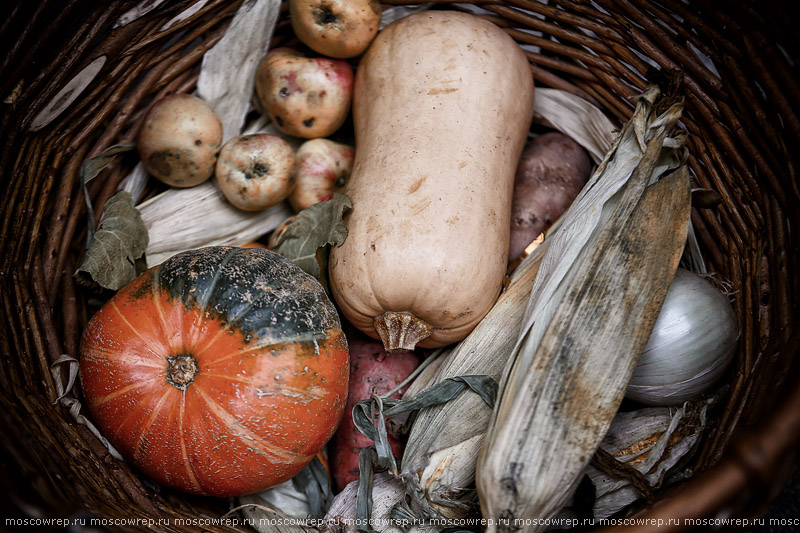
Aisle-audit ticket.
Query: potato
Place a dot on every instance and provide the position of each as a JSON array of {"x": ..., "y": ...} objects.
[
  {"x": 551, "y": 172},
  {"x": 336, "y": 28},
  {"x": 179, "y": 140},
  {"x": 306, "y": 97},
  {"x": 372, "y": 370},
  {"x": 256, "y": 171}
]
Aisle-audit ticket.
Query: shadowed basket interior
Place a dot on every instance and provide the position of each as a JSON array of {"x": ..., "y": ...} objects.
[{"x": 741, "y": 84}]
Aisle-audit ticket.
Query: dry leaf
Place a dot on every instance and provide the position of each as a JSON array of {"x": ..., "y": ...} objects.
[
  {"x": 120, "y": 240},
  {"x": 308, "y": 238}
]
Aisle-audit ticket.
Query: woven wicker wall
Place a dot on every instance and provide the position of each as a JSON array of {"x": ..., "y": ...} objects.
[{"x": 744, "y": 143}]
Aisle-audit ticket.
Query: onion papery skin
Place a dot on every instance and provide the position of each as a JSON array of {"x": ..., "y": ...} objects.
[
  {"x": 271, "y": 375},
  {"x": 692, "y": 343}
]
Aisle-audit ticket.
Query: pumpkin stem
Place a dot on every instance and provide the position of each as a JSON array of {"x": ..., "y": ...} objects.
[
  {"x": 400, "y": 331},
  {"x": 181, "y": 370}
]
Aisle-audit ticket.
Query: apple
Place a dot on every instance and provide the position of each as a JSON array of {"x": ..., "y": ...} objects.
[
  {"x": 336, "y": 28},
  {"x": 323, "y": 167},
  {"x": 256, "y": 171},
  {"x": 179, "y": 139},
  {"x": 307, "y": 97}
]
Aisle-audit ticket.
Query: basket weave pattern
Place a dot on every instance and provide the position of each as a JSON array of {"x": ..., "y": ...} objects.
[{"x": 741, "y": 81}]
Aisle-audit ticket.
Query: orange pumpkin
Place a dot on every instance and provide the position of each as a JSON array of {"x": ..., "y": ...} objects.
[
  {"x": 254, "y": 244},
  {"x": 221, "y": 372}
]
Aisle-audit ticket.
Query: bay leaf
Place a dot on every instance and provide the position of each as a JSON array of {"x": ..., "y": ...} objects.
[
  {"x": 307, "y": 240},
  {"x": 120, "y": 240},
  {"x": 314, "y": 481},
  {"x": 89, "y": 170}
]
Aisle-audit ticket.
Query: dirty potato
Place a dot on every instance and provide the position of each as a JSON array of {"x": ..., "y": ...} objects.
[{"x": 179, "y": 140}]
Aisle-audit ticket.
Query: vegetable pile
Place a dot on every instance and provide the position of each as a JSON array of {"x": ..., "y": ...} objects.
[{"x": 518, "y": 284}]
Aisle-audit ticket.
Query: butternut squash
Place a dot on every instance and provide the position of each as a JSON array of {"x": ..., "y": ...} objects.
[{"x": 442, "y": 104}]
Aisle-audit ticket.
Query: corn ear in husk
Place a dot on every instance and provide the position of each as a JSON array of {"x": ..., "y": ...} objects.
[
  {"x": 342, "y": 517},
  {"x": 594, "y": 301},
  {"x": 643, "y": 451}
]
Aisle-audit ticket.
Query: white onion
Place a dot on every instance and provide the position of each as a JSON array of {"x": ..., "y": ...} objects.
[{"x": 692, "y": 342}]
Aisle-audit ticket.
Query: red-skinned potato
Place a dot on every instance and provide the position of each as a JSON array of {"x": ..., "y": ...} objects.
[
  {"x": 336, "y": 28},
  {"x": 323, "y": 167},
  {"x": 552, "y": 171},
  {"x": 256, "y": 171},
  {"x": 372, "y": 371},
  {"x": 179, "y": 140},
  {"x": 306, "y": 97}
]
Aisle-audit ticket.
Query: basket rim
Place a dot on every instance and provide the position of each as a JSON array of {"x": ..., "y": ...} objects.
[{"x": 757, "y": 188}]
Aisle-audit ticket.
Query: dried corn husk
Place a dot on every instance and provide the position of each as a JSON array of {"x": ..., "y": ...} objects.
[
  {"x": 185, "y": 219},
  {"x": 284, "y": 498},
  {"x": 575, "y": 117},
  {"x": 265, "y": 519},
  {"x": 369, "y": 417},
  {"x": 387, "y": 492},
  {"x": 297, "y": 501},
  {"x": 655, "y": 441},
  {"x": 593, "y": 305},
  {"x": 227, "y": 75},
  {"x": 342, "y": 516},
  {"x": 445, "y": 440},
  {"x": 401, "y": 424}
]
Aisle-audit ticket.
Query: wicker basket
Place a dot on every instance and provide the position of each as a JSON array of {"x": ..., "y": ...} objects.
[{"x": 744, "y": 142}]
